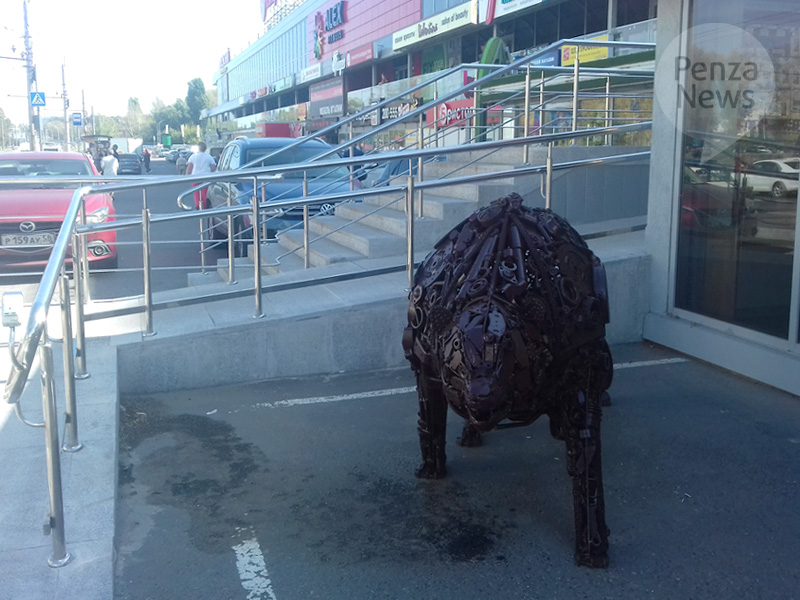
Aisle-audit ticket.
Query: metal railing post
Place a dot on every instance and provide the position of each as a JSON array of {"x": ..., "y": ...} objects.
[
  {"x": 576, "y": 77},
  {"x": 80, "y": 329},
  {"x": 146, "y": 269},
  {"x": 55, "y": 524},
  {"x": 231, "y": 242},
  {"x": 257, "y": 251},
  {"x": 549, "y": 177},
  {"x": 435, "y": 118},
  {"x": 410, "y": 219},
  {"x": 420, "y": 167},
  {"x": 83, "y": 252},
  {"x": 71, "y": 443},
  {"x": 608, "y": 109},
  {"x": 307, "y": 257},
  {"x": 541, "y": 105},
  {"x": 527, "y": 116}
]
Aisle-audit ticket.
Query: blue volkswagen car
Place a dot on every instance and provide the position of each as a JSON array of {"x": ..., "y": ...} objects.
[{"x": 321, "y": 181}]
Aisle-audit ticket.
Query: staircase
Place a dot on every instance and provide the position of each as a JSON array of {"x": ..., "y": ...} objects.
[{"x": 376, "y": 226}]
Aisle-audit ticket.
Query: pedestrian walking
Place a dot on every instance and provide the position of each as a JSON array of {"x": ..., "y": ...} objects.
[
  {"x": 201, "y": 163},
  {"x": 146, "y": 160},
  {"x": 180, "y": 164},
  {"x": 109, "y": 165}
]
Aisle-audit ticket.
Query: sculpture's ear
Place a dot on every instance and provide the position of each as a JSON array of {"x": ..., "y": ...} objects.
[{"x": 440, "y": 319}]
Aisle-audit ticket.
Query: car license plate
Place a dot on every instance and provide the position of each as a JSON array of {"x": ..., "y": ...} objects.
[{"x": 28, "y": 239}]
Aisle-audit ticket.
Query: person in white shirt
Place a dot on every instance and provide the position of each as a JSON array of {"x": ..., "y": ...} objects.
[
  {"x": 201, "y": 163},
  {"x": 109, "y": 165}
]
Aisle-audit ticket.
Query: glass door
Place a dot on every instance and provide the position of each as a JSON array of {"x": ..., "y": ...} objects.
[{"x": 738, "y": 86}]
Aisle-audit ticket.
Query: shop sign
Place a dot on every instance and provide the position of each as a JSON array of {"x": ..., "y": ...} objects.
[
  {"x": 492, "y": 9},
  {"x": 359, "y": 55},
  {"x": 326, "y": 99},
  {"x": 282, "y": 84},
  {"x": 225, "y": 58},
  {"x": 394, "y": 111},
  {"x": 324, "y": 26},
  {"x": 309, "y": 73},
  {"x": 454, "y": 113},
  {"x": 262, "y": 92},
  {"x": 585, "y": 53},
  {"x": 464, "y": 14}
]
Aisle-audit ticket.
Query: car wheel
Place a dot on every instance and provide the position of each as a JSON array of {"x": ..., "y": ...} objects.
[{"x": 778, "y": 189}]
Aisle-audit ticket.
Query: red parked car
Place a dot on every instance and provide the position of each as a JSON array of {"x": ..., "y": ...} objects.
[{"x": 31, "y": 214}]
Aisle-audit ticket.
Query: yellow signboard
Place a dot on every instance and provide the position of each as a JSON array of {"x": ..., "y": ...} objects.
[{"x": 587, "y": 53}]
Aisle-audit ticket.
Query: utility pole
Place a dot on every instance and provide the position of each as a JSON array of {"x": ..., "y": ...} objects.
[
  {"x": 66, "y": 106},
  {"x": 83, "y": 118},
  {"x": 33, "y": 126}
]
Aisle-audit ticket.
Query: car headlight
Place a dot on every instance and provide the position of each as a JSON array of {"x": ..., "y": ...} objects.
[{"x": 98, "y": 216}]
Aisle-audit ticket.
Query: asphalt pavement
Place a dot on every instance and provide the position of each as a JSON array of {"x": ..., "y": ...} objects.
[{"x": 304, "y": 488}]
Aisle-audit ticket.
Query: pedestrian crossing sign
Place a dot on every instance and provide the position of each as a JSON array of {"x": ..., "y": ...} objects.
[{"x": 37, "y": 99}]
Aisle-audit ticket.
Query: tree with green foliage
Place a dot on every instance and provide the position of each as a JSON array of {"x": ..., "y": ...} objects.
[{"x": 196, "y": 100}]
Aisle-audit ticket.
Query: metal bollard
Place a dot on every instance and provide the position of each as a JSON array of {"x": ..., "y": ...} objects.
[
  {"x": 71, "y": 443},
  {"x": 55, "y": 524}
]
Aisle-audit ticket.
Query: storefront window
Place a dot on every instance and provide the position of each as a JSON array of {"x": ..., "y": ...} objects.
[{"x": 738, "y": 197}]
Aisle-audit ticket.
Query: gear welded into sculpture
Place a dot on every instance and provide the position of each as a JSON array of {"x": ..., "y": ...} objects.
[{"x": 506, "y": 322}]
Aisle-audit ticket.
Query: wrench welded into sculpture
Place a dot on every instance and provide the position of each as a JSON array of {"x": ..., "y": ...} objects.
[{"x": 506, "y": 322}]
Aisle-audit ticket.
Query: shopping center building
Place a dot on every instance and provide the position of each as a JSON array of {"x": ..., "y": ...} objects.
[{"x": 721, "y": 220}]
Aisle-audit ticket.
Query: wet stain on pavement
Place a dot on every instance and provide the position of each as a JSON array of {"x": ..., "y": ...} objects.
[{"x": 199, "y": 465}]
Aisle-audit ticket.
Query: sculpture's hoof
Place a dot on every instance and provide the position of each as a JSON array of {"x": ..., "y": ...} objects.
[
  {"x": 470, "y": 438},
  {"x": 593, "y": 561},
  {"x": 427, "y": 471}
]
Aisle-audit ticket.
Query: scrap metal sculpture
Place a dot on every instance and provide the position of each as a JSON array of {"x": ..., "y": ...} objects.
[{"x": 506, "y": 322}]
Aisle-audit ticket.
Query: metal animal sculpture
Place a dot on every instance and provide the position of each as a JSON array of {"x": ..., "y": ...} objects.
[{"x": 506, "y": 322}]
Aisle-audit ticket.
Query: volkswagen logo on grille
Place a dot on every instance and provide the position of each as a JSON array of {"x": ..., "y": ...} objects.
[{"x": 27, "y": 226}]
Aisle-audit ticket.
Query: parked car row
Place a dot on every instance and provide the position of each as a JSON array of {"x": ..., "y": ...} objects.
[
  {"x": 32, "y": 213},
  {"x": 321, "y": 181}
]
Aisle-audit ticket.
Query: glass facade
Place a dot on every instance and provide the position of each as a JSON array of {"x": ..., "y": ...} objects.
[
  {"x": 281, "y": 57},
  {"x": 738, "y": 86}
]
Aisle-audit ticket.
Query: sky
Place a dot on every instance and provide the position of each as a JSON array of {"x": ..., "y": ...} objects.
[{"x": 113, "y": 51}]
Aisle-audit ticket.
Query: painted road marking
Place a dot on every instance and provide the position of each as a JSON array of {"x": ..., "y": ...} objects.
[
  {"x": 410, "y": 390},
  {"x": 650, "y": 363},
  {"x": 253, "y": 569}
]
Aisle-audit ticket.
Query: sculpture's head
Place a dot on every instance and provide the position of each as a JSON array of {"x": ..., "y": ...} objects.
[{"x": 478, "y": 365}]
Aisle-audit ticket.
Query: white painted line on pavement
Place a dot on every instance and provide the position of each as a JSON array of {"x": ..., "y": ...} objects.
[
  {"x": 410, "y": 390},
  {"x": 325, "y": 399},
  {"x": 649, "y": 363},
  {"x": 253, "y": 569}
]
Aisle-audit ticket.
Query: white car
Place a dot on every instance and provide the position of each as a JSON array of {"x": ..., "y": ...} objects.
[{"x": 777, "y": 176}]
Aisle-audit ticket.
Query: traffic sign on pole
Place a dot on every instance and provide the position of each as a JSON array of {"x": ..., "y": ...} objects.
[
  {"x": 76, "y": 119},
  {"x": 37, "y": 99}
]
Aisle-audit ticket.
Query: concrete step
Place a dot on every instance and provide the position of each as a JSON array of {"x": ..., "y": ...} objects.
[
  {"x": 321, "y": 252},
  {"x": 360, "y": 237},
  {"x": 392, "y": 218}
]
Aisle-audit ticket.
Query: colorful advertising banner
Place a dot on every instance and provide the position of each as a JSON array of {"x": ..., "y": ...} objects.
[
  {"x": 585, "y": 53},
  {"x": 326, "y": 99},
  {"x": 464, "y": 14}
]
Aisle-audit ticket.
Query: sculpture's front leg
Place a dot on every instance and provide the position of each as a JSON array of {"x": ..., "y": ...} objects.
[
  {"x": 432, "y": 425},
  {"x": 584, "y": 465}
]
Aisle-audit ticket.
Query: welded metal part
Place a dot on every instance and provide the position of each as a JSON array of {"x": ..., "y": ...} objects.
[{"x": 506, "y": 323}]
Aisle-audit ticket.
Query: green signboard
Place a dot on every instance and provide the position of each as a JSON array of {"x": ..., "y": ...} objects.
[{"x": 166, "y": 140}]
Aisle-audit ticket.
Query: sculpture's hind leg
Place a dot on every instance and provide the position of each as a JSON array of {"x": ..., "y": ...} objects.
[
  {"x": 432, "y": 425},
  {"x": 584, "y": 465},
  {"x": 470, "y": 437}
]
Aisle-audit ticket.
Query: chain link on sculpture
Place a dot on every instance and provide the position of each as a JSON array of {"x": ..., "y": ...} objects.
[{"x": 506, "y": 323}]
